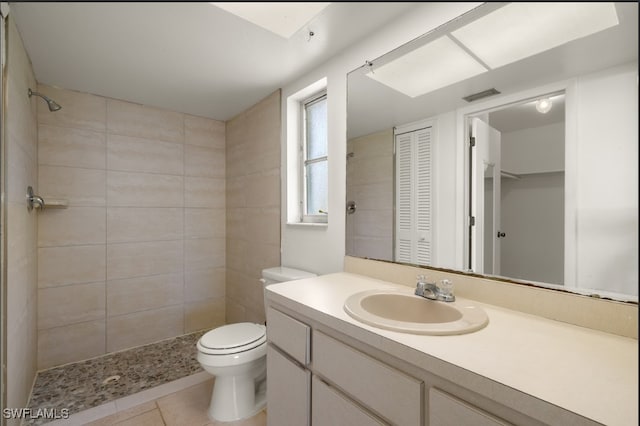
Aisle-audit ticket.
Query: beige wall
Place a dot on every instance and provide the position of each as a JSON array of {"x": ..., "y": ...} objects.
[
  {"x": 21, "y": 171},
  {"x": 139, "y": 254},
  {"x": 253, "y": 206},
  {"x": 369, "y": 231}
]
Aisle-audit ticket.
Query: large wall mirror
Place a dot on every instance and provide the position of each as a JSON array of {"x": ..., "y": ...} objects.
[{"x": 504, "y": 143}]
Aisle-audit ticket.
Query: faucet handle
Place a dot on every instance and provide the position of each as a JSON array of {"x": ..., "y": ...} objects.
[
  {"x": 420, "y": 286},
  {"x": 446, "y": 290}
]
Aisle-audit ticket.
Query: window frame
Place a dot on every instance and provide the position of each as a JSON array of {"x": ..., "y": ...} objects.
[{"x": 304, "y": 161}]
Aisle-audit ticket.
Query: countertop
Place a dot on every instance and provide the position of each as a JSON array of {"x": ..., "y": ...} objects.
[{"x": 587, "y": 372}]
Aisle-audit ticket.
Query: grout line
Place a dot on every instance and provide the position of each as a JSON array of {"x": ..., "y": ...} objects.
[{"x": 164, "y": 421}]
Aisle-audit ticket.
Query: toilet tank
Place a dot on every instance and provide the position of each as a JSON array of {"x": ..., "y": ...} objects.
[{"x": 280, "y": 274}]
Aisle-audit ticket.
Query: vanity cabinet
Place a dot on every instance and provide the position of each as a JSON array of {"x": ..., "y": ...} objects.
[
  {"x": 289, "y": 381},
  {"x": 289, "y": 387},
  {"x": 320, "y": 379},
  {"x": 447, "y": 410},
  {"x": 386, "y": 391},
  {"x": 329, "y": 407}
]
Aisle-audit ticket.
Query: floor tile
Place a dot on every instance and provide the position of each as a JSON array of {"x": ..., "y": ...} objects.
[
  {"x": 125, "y": 414},
  {"x": 187, "y": 407},
  {"x": 150, "y": 418}
]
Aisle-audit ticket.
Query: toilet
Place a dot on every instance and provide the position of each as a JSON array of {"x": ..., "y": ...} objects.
[{"x": 236, "y": 355}]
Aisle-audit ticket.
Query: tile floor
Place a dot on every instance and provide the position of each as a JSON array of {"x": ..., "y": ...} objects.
[{"x": 185, "y": 407}]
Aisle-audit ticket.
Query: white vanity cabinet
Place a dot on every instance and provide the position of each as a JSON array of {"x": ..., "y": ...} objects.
[
  {"x": 289, "y": 380},
  {"x": 317, "y": 375},
  {"x": 315, "y": 379},
  {"x": 383, "y": 390},
  {"x": 447, "y": 410}
]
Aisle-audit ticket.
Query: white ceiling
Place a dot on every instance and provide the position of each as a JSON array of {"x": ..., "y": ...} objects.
[{"x": 188, "y": 57}]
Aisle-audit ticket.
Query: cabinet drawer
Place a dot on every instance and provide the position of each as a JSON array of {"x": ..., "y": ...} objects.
[
  {"x": 290, "y": 335},
  {"x": 386, "y": 391},
  {"x": 330, "y": 408},
  {"x": 288, "y": 391},
  {"x": 446, "y": 410}
]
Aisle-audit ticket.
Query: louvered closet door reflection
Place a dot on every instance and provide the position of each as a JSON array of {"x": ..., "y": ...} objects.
[{"x": 414, "y": 197}]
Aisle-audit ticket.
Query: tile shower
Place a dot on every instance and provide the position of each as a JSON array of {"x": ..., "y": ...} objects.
[
  {"x": 139, "y": 254},
  {"x": 170, "y": 219}
]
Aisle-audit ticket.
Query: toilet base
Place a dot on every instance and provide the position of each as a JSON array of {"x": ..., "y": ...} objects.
[{"x": 236, "y": 398}]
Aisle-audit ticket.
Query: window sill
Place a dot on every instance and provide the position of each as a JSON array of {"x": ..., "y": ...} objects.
[{"x": 309, "y": 224}]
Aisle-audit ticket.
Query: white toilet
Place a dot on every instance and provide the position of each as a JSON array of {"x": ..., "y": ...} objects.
[{"x": 236, "y": 355}]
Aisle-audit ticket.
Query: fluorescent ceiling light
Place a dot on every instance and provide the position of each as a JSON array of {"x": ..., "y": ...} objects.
[
  {"x": 435, "y": 65},
  {"x": 284, "y": 19},
  {"x": 520, "y": 30}
]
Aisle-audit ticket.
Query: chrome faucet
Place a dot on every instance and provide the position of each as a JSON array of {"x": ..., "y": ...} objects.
[{"x": 433, "y": 291}]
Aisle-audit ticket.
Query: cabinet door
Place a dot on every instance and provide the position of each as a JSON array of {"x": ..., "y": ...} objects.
[
  {"x": 290, "y": 335},
  {"x": 446, "y": 410},
  {"x": 391, "y": 394},
  {"x": 288, "y": 391},
  {"x": 330, "y": 408}
]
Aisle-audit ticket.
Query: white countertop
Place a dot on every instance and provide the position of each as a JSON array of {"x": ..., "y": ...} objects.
[{"x": 587, "y": 372}]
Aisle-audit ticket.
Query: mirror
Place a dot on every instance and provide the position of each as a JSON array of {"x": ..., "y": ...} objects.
[{"x": 543, "y": 197}]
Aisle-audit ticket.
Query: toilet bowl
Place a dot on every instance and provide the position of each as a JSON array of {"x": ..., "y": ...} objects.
[{"x": 236, "y": 355}]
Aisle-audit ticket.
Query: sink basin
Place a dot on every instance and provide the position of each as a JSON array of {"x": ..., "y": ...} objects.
[{"x": 401, "y": 310}]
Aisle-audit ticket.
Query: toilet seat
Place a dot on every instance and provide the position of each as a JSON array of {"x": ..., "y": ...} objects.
[{"x": 232, "y": 339}]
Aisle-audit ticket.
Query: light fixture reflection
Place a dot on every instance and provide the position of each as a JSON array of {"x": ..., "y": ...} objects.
[
  {"x": 544, "y": 105},
  {"x": 417, "y": 73},
  {"x": 522, "y": 29}
]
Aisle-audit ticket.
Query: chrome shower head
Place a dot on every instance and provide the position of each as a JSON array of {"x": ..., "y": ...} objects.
[{"x": 53, "y": 105}]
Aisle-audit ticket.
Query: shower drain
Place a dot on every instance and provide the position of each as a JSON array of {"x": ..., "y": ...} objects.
[{"x": 111, "y": 379}]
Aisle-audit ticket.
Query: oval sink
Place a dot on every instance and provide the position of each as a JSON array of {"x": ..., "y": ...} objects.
[{"x": 401, "y": 310}]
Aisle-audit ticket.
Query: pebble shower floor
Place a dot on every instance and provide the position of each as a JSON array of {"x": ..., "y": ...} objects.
[{"x": 87, "y": 384}]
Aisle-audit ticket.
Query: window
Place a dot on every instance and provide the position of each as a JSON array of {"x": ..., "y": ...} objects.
[{"x": 314, "y": 171}]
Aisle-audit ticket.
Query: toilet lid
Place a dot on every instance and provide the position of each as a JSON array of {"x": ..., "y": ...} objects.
[{"x": 233, "y": 336}]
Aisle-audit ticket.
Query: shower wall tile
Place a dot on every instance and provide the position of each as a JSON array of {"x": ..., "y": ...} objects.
[
  {"x": 204, "y": 223},
  {"x": 71, "y": 265},
  {"x": 144, "y": 231},
  {"x": 140, "y": 328},
  {"x": 263, "y": 189},
  {"x": 129, "y": 119},
  {"x": 20, "y": 129},
  {"x": 125, "y": 224},
  {"x": 144, "y": 155},
  {"x": 204, "y": 284},
  {"x": 204, "y": 132},
  {"x": 79, "y": 110},
  {"x": 204, "y": 314},
  {"x": 204, "y": 192},
  {"x": 253, "y": 206},
  {"x": 145, "y": 293},
  {"x": 66, "y": 146},
  {"x": 262, "y": 225},
  {"x": 70, "y": 304},
  {"x": 70, "y": 343},
  {"x": 204, "y": 253},
  {"x": 236, "y": 224},
  {"x": 261, "y": 256},
  {"x": 72, "y": 226},
  {"x": 236, "y": 196},
  {"x": 204, "y": 162},
  {"x": 130, "y": 260},
  {"x": 144, "y": 190},
  {"x": 81, "y": 187}
]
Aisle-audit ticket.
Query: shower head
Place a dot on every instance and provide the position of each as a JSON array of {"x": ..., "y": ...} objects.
[{"x": 53, "y": 105}]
